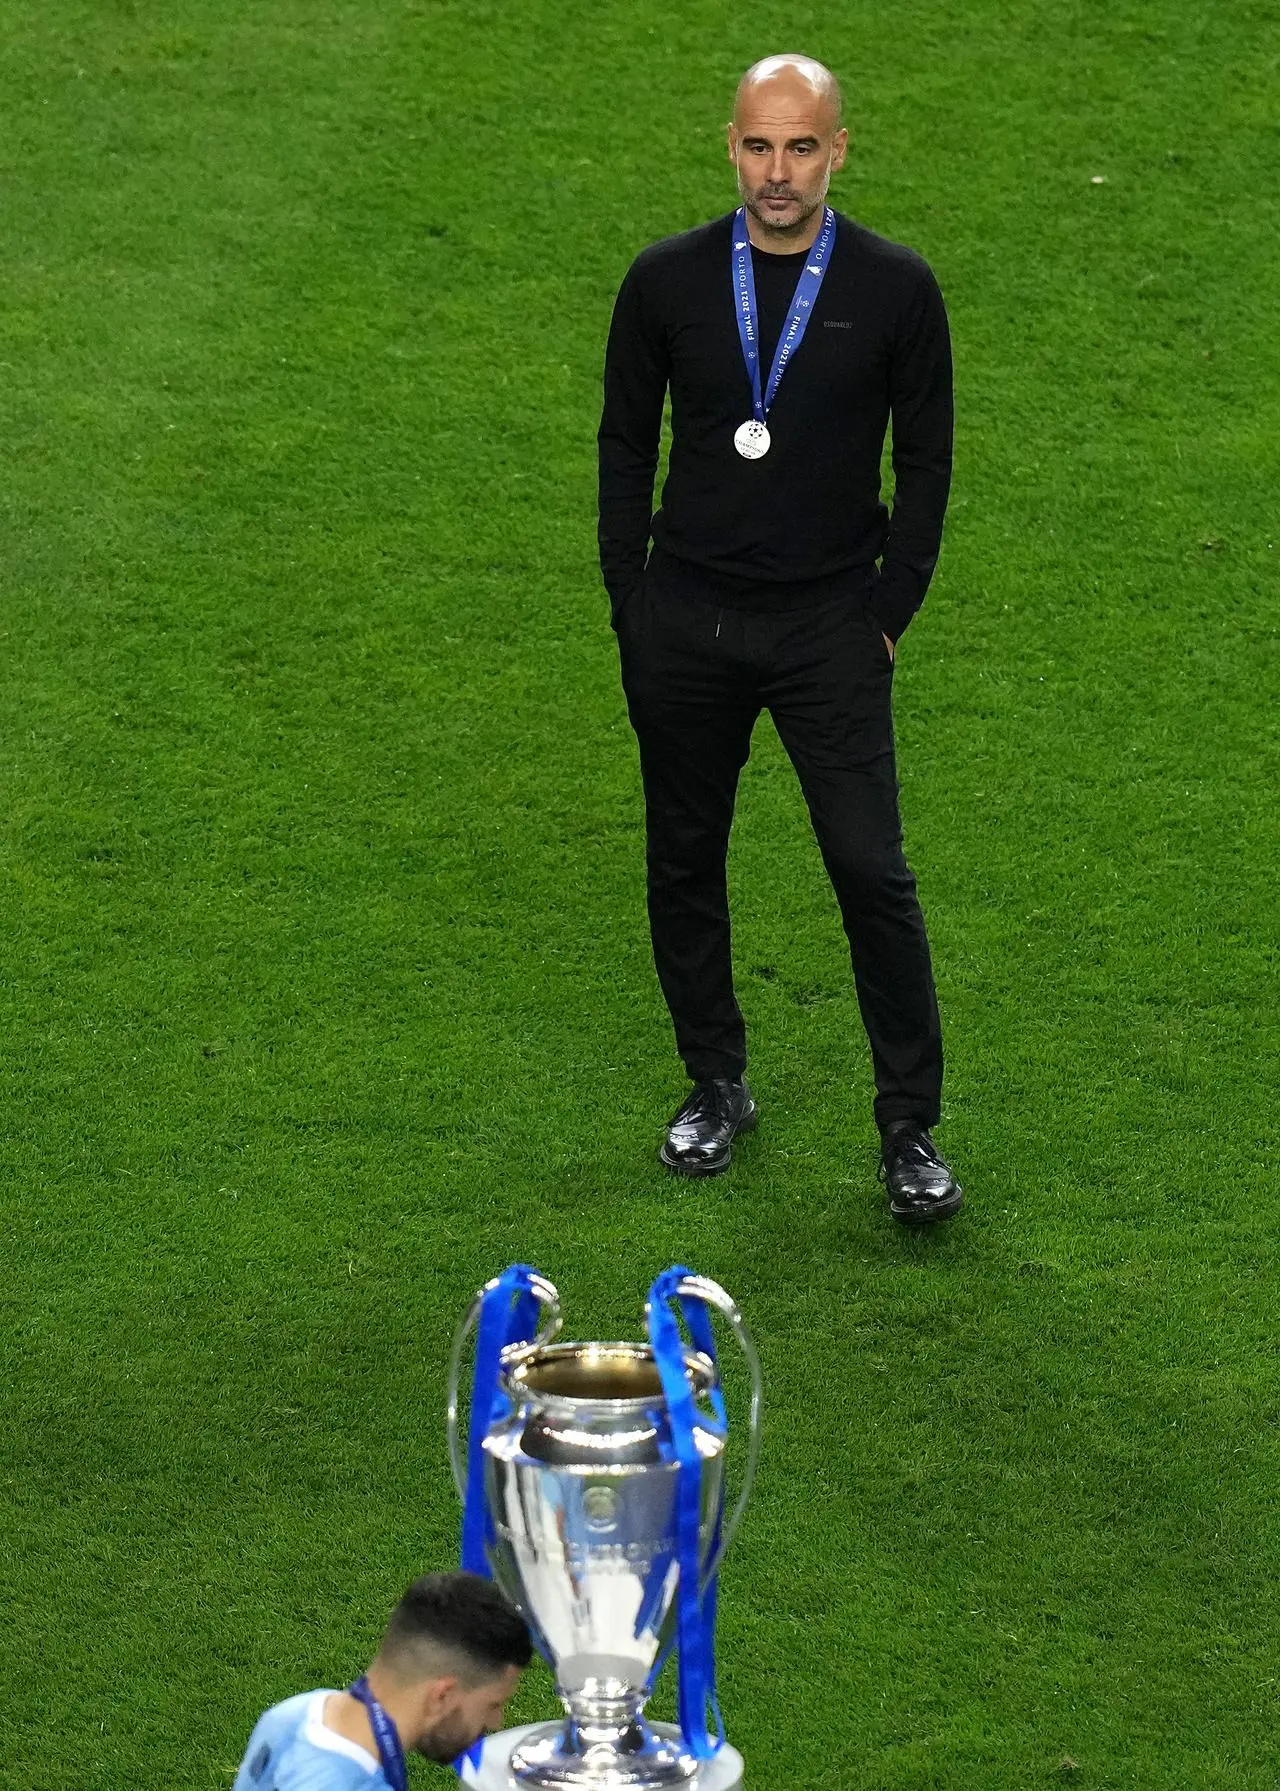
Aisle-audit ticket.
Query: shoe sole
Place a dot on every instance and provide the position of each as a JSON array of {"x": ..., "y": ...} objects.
[
  {"x": 936, "y": 1214},
  {"x": 717, "y": 1165}
]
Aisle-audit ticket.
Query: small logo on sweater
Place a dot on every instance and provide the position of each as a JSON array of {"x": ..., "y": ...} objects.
[{"x": 831, "y": 324}]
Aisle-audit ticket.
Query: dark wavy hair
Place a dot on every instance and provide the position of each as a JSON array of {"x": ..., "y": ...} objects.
[{"x": 459, "y": 1617}]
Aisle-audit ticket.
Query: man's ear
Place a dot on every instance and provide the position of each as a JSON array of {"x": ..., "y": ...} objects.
[
  {"x": 438, "y": 1698},
  {"x": 731, "y": 138},
  {"x": 839, "y": 148}
]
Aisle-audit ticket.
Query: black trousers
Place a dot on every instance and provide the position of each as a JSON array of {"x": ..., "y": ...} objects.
[{"x": 696, "y": 677}]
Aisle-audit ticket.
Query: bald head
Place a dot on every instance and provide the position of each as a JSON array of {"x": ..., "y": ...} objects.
[
  {"x": 794, "y": 77},
  {"x": 786, "y": 141}
]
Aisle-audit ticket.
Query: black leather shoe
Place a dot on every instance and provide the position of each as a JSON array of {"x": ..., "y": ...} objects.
[
  {"x": 917, "y": 1178},
  {"x": 700, "y": 1138}
]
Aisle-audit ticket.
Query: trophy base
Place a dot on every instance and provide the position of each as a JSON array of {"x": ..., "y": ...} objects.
[{"x": 723, "y": 1773}]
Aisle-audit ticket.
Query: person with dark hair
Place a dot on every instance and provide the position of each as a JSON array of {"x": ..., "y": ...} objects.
[{"x": 449, "y": 1659}]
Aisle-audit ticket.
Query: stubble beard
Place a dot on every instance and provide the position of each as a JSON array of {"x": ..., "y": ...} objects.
[
  {"x": 754, "y": 197},
  {"x": 443, "y": 1745}
]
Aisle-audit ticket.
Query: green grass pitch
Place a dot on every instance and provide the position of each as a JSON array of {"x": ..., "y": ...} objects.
[{"x": 326, "y": 988}]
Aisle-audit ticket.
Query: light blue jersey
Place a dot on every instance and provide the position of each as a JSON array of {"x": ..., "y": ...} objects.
[{"x": 292, "y": 1750}]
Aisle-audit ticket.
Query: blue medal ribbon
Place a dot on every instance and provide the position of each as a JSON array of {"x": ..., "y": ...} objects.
[
  {"x": 695, "y": 1608},
  {"x": 386, "y": 1735},
  {"x": 802, "y": 303}
]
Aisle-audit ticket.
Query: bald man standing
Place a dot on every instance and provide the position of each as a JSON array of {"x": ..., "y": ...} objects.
[{"x": 790, "y": 339}]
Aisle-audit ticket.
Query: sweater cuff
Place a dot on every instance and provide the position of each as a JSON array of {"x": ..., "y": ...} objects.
[
  {"x": 619, "y": 589},
  {"x": 895, "y": 597}
]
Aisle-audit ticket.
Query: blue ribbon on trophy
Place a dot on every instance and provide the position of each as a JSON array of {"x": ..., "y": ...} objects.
[
  {"x": 695, "y": 1603},
  {"x": 509, "y": 1312}
]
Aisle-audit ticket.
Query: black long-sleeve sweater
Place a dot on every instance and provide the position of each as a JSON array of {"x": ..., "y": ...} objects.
[{"x": 787, "y": 529}]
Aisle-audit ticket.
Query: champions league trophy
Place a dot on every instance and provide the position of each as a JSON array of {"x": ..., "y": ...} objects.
[{"x": 593, "y": 1492}]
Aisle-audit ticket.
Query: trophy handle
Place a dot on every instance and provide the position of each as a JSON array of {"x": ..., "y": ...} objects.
[
  {"x": 701, "y": 1287},
  {"x": 547, "y": 1296}
]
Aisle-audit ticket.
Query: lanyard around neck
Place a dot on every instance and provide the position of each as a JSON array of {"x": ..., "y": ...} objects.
[
  {"x": 386, "y": 1735},
  {"x": 802, "y": 303}
]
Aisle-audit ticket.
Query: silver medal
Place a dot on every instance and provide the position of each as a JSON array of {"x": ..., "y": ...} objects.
[{"x": 751, "y": 439}]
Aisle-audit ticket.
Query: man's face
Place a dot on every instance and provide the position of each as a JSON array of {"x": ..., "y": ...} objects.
[
  {"x": 460, "y": 1716},
  {"x": 785, "y": 147}
]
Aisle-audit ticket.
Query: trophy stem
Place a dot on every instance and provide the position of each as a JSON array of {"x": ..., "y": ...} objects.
[
  {"x": 494, "y": 1770},
  {"x": 605, "y": 1743},
  {"x": 604, "y": 1704}
]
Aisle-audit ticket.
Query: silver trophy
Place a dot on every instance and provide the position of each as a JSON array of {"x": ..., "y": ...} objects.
[{"x": 583, "y": 1535}]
